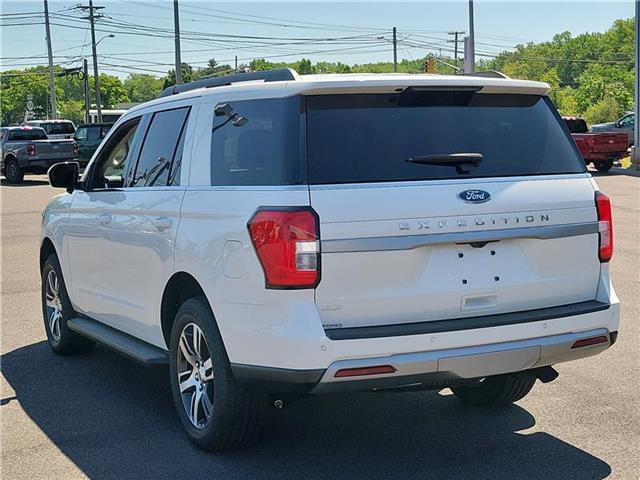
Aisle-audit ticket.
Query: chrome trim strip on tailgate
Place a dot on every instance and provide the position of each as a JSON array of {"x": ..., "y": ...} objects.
[{"x": 408, "y": 242}]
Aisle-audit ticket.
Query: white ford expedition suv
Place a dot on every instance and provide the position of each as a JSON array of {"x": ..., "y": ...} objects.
[{"x": 267, "y": 233}]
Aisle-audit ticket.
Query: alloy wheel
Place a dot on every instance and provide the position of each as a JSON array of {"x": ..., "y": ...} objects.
[
  {"x": 54, "y": 304},
  {"x": 195, "y": 375}
]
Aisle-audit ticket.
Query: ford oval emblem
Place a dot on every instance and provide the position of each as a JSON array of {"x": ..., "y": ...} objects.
[{"x": 474, "y": 196}]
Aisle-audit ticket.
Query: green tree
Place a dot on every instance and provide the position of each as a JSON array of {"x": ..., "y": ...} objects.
[
  {"x": 170, "y": 79},
  {"x": 605, "y": 110},
  {"x": 112, "y": 91},
  {"x": 141, "y": 87},
  {"x": 72, "y": 110}
]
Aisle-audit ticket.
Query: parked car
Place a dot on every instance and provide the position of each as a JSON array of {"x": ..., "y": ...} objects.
[
  {"x": 622, "y": 125},
  {"x": 29, "y": 150},
  {"x": 88, "y": 137},
  {"x": 56, "y": 129},
  {"x": 332, "y": 233},
  {"x": 601, "y": 149}
]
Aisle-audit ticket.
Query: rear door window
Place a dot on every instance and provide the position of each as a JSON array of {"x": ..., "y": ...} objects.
[
  {"x": 369, "y": 137},
  {"x": 257, "y": 142},
  {"x": 159, "y": 148}
]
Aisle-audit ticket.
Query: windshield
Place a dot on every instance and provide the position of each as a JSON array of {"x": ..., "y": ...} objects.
[
  {"x": 27, "y": 134},
  {"x": 58, "y": 128},
  {"x": 369, "y": 137}
]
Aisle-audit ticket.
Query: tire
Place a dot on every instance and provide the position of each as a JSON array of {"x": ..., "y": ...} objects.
[
  {"x": 227, "y": 415},
  {"x": 497, "y": 391},
  {"x": 56, "y": 303},
  {"x": 12, "y": 172},
  {"x": 603, "y": 165}
]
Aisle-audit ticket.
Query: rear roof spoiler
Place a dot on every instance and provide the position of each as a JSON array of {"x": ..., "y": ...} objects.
[{"x": 275, "y": 75}]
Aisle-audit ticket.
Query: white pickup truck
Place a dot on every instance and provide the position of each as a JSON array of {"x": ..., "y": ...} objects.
[{"x": 270, "y": 233}]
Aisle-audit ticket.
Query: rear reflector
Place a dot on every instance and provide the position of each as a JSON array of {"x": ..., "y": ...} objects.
[
  {"x": 358, "y": 372},
  {"x": 288, "y": 246},
  {"x": 585, "y": 342},
  {"x": 605, "y": 227}
]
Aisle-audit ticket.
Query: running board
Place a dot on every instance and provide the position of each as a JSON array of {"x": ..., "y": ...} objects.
[{"x": 123, "y": 343}]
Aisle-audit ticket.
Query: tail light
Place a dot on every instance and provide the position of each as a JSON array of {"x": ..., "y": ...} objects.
[
  {"x": 287, "y": 241},
  {"x": 76, "y": 150},
  {"x": 605, "y": 227},
  {"x": 31, "y": 149}
]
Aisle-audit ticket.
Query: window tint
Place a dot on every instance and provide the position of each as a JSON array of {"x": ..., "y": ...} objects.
[
  {"x": 81, "y": 133},
  {"x": 27, "y": 134},
  {"x": 368, "y": 138},
  {"x": 627, "y": 121},
  {"x": 159, "y": 148},
  {"x": 576, "y": 125},
  {"x": 58, "y": 128},
  {"x": 256, "y": 142},
  {"x": 115, "y": 157},
  {"x": 93, "y": 134}
]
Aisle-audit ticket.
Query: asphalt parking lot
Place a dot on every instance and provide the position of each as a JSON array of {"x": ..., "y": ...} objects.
[{"x": 101, "y": 416}]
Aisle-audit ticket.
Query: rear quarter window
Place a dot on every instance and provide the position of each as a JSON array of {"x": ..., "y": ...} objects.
[
  {"x": 368, "y": 137},
  {"x": 257, "y": 142}
]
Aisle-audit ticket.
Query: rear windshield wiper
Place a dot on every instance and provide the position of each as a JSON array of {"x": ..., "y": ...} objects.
[{"x": 461, "y": 161}]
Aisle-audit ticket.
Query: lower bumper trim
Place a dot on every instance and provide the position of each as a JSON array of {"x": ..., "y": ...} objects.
[
  {"x": 276, "y": 380},
  {"x": 461, "y": 364}
]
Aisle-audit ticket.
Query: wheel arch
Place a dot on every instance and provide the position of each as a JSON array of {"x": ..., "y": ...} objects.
[
  {"x": 46, "y": 248},
  {"x": 180, "y": 287}
]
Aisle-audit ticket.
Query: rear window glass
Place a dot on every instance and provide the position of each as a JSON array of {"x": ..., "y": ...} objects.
[
  {"x": 58, "y": 128},
  {"x": 27, "y": 134},
  {"x": 257, "y": 142},
  {"x": 576, "y": 125},
  {"x": 369, "y": 137}
]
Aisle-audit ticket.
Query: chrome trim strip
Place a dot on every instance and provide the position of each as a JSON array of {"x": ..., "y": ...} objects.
[{"x": 408, "y": 242}]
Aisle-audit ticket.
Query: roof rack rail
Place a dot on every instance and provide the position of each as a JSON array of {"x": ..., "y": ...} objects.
[
  {"x": 275, "y": 75},
  {"x": 486, "y": 74}
]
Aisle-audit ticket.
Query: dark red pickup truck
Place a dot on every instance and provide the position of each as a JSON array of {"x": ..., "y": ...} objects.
[{"x": 601, "y": 149}]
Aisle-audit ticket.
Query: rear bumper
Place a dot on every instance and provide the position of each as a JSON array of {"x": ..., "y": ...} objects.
[
  {"x": 421, "y": 359},
  {"x": 42, "y": 163},
  {"x": 431, "y": 368},
  {"x": 454, "y": 365}
]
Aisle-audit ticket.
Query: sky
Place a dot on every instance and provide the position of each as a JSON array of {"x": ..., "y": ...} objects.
[{"x": 350, "y": 32}]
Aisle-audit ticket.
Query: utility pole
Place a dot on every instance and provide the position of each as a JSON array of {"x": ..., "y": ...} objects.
[
  {"x": 395, "y": 50},
  {"x": 236, "y": 71},
  {"x": 52, "y": 82},
  {"x": 85, "y": 81},
  {"x": 471, "y": 53},
  {"x": 176, "y": 27},
  {"x": 96, "y": 76},
  {"x": 635, "y": 151},
  {"x": 455, "y": 41}
]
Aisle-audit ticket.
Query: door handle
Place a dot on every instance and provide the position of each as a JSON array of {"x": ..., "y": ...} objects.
[
  {"x": 161, "y": 223},
  {"x": 104, "y": 218}
]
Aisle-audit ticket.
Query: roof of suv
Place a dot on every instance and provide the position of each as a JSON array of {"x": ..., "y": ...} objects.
[{"x": 318, "y": 84}]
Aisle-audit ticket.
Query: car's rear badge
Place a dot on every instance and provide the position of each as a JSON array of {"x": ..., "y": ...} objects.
[{"x": 474, "y": 196}]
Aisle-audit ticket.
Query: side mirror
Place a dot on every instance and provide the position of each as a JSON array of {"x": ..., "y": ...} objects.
[
  {"x": 64, "y": 175},
  {"x": 617, "y": 124}
]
